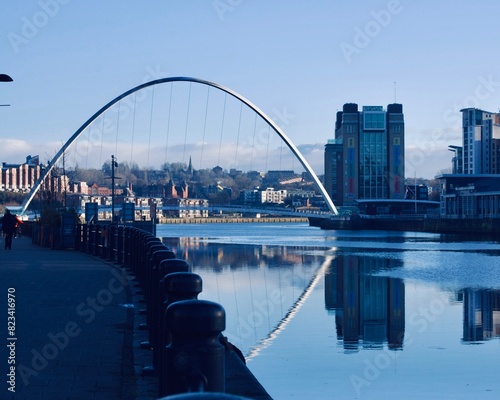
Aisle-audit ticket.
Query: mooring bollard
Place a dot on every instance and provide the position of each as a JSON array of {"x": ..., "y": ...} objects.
[
  {"x": 156, "y": 253},
  {"x": 155, "y": 311},
  {"x": 177, "y": 286},
  {"x": 140, "y": 251},
  {"x": 195, "y": 359},
  {"x": 147, "y": 241},
  {"x": 156, "y": 257},
  {"x": 163, "y": 269},
  {"x": 162, "y": 253}
]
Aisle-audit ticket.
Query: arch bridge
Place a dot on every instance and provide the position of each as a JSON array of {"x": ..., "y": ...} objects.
[{"x": 272, "y": 125}]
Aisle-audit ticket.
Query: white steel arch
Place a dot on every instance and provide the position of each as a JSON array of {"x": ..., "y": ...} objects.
[{"x": 271, "y": 123}]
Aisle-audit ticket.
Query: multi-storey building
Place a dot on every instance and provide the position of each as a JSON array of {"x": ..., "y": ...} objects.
[
  {"x": 366, "y": 159},
  {"x": 457, "y": 162},
  {"x": 472, "y": 190},
  {"x": 20, "y": 177},
  {"x": 480, "y": 141},
  {"x": 261, "y": 196}
]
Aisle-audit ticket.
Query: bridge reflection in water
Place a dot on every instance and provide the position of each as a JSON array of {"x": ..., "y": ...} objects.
[
  {"x": 339, "y": 314},
  {"x": 262, "y": 288}
]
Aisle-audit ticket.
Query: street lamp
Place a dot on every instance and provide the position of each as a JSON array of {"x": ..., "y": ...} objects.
[
  {"x": 5, "y": 78},
  {"x": 113, "y": 165}
]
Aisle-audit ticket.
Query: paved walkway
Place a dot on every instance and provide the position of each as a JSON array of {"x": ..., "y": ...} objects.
[{"x": 74, "y": 332}]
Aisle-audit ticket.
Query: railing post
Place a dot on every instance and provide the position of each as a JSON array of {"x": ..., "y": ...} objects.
[
  {"x": 195, "y": 359},
  {"x": 119, "y": 245},
  {"x": 97, "y": 239},
  {"x": 104, "y": 242},
  {"x": 78, "y": 237},
  {"x": 112, "y": 243},
  {"x": 127, "y": 247},
  {"x": 91, "y": 239}
]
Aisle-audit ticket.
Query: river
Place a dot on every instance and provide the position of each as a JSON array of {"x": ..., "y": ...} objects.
[{"x": 353, "y": 314}]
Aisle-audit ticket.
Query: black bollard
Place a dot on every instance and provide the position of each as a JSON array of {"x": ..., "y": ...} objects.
[
  {"x": 135, "y": 252},
  {"x": 195, "y": 359},
  {"x": 177, "y": 286},
  {"x": 153, "y": 260},
  {"x": 145, "y": 241},
  {"x": 162, "y": 267},
  {"x": 162, "y": 270},
  {"x": 151, "y": 282}
]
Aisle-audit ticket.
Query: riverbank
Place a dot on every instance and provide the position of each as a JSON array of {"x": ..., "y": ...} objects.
[
  {"x": 232, "y": 220},
  {"x": 484, "y": 226}
]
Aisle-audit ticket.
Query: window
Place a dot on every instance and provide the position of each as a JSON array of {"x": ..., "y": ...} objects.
[{"x": 374, "y": 120}]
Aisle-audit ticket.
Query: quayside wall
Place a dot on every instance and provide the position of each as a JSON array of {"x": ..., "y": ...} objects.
[{"x": 466, "y": 226}]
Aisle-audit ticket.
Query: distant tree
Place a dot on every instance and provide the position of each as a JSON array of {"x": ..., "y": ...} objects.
[
  {"x": 220, "y": 198},
  {"x": 443, "y": 171}
]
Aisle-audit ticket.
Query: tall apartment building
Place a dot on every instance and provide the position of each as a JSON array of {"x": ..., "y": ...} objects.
[
  {"x": 480, "y": 141},
  {"x": 19, "y": 177},
  {"x": 457, "y": 162},
  {"x": 366, "y": 158}
]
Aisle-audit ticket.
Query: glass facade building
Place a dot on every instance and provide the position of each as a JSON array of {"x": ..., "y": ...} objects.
[
  {"x": 481, "y": 141},
  {"x": 366, "y": 159}
]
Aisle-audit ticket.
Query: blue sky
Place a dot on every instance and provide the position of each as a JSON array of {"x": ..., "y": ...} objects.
[{"x": 68, "y": 58}]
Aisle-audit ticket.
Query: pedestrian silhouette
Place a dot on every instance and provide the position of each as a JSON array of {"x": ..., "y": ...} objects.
[{"x": 9, "y": 222}]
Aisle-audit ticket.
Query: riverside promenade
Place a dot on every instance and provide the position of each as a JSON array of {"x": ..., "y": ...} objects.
[
  {"x": 71, "y": 328},
  {"x": 74, "y": 335}
]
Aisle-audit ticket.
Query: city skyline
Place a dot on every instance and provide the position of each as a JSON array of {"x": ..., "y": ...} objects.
[{"x": 301, "y": 61}]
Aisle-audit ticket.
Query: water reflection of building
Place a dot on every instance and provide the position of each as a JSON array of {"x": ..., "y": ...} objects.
[
  {"x": 481, "y": 314},
  {"x": 202, "y": 253},
  {"x": 369, "y": 310}
]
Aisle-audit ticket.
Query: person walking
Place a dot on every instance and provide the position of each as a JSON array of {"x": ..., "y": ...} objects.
[
  {"x": 17, "y": 227},
  {"x": 9, "y": 222}
]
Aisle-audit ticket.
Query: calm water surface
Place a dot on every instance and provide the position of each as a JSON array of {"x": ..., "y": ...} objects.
[{"x": 353, "y": 315}]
